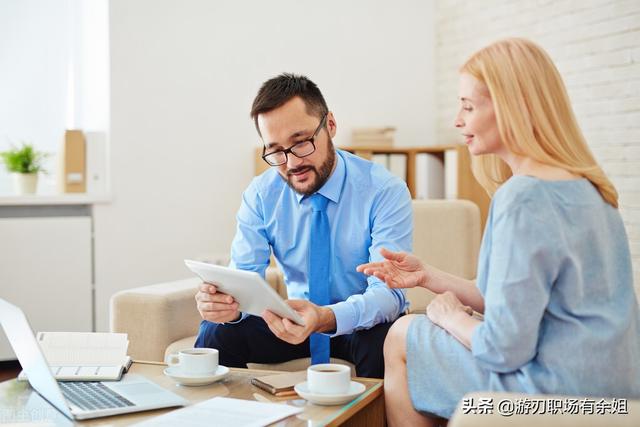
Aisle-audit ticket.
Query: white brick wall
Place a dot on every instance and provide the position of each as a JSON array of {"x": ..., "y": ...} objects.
[{"x": 596, "y": 46}]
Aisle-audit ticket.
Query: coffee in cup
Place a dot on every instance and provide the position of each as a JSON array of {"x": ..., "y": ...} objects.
[
  {"x": 328, "y": 378},
  {"x": 194, "y": 361}
]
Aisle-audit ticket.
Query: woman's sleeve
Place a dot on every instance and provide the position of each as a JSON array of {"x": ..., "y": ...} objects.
[{"x": 522, "y": 267}]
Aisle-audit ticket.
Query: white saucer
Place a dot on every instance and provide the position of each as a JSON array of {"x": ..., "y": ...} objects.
[
  {"x": 174, "y": 373},
  {"x": 355, "y": 389}
]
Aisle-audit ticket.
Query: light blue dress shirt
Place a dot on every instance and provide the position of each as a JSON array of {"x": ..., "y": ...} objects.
[
  {"x": 561, "y": 315},
  {"x": 369, "y": 208}
]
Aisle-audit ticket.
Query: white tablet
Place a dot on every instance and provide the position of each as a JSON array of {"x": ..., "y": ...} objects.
[{"x": 252, "y": 293}]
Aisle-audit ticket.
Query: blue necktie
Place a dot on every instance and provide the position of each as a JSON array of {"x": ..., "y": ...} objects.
[{"x": 319, "y": 270}]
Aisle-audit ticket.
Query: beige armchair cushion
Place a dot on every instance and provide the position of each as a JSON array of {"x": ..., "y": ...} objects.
[
  {"x": 155, "y": 316},
  {"x": 446, "y": 235}
]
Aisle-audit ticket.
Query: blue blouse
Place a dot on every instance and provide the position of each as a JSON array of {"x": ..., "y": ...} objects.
[{"x": 561, "y": 314}]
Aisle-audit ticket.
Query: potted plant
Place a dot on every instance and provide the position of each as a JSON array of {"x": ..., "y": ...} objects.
[{"x": 24, "y": 163}]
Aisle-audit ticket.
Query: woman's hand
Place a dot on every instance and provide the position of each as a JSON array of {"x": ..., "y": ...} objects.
[
  {"x": 445, "y": 308},
  {"x": 398, "y": 270}
]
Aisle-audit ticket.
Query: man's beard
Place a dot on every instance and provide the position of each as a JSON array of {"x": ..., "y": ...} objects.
[{"x": 321, "y": 175}]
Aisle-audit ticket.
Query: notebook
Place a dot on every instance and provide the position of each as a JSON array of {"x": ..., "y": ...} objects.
[
  {"x": 84, "y": 356},
  {"x": 280, "y": 384}
]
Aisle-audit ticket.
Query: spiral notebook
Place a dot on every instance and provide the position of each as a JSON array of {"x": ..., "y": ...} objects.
[{"x": 84, "y": 356}]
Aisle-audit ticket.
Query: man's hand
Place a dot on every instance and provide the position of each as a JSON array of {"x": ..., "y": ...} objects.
[
  {"x": 215, "y": 306},
  {"x": 316, "y": 319}
]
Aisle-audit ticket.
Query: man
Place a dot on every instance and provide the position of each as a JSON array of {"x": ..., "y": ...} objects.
[{"x": 322, "y": 212}]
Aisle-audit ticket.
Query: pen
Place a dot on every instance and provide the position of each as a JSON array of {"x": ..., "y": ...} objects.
[{"x": 286, "y": 393}]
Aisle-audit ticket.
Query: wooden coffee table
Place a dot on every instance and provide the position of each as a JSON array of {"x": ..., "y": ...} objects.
[{"x": 19, "y": 403}]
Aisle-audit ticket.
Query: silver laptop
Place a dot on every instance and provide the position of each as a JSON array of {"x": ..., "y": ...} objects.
[{"x": 80, "y": 400}]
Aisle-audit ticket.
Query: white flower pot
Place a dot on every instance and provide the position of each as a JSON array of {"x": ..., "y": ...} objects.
[{"x": 25, "y": 183}]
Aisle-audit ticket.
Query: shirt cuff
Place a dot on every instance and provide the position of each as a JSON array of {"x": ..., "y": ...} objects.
[
  {"x": 345, "y": 318},
  {"x": 242, "y": 317}
]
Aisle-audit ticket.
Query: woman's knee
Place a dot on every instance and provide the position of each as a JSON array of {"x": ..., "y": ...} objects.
[{"x": 395, "y": 343}]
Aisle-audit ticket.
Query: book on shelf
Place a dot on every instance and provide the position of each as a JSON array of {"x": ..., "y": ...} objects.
[
  {"x": 398, "y": 165},
  {"x": 394, "y": 163},
  {"x": 429, "y": 178},
  {"x": 381, "y": 159},
  {"x": 451, "y": 174},
  {"x": 84, "y": 356},
  {"x": 280, "y": 384},
  {"x": 96, "y": 162}
]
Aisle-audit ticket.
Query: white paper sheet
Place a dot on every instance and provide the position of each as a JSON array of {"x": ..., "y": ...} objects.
[{"x": 223, "y": 411}]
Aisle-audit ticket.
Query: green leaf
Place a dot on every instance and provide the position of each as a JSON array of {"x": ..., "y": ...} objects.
[{"x": 24, "y": 159}]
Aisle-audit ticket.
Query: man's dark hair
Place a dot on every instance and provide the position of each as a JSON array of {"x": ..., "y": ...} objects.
[{"x": 279, "y": 90}]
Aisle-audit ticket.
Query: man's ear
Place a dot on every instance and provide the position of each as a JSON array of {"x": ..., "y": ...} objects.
[{"x": 332, "y": 126}]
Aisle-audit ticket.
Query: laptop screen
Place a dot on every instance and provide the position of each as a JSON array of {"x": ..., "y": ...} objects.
[{"x": 24, "y": 344}]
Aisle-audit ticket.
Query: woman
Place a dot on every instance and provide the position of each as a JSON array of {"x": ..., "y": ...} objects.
[{"x": 554, "y": 272}]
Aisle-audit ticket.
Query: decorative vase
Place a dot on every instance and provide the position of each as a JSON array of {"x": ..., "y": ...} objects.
[{"x": 25, "y": 183}]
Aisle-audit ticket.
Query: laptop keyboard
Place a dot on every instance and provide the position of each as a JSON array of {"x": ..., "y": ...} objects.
[{"x": 90, "y": 396}]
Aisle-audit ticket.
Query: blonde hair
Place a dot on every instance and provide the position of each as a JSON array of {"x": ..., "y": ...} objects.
[{"x": 533, "y": 114}]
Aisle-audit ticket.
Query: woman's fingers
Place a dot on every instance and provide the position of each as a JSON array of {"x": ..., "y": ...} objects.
[
  {"x": 380, "y": 275},
  {"x": 389, "y": 279},
  {"x": 392, "y": 256},
  {"x": 371, "y": 268},
  {"x": 362, "y": 267},
  {"x": 370, "y": 271},
  {"x": 376, "y": 269},
  {"x": 383, "y": 274}
]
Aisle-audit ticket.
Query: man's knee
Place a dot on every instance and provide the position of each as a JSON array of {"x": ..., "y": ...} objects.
[
  {"x": 205, "y": 334},
  {"x": 218, "y": 336},
  {"x": 228, "y": 339},
  {"x": 370, "y": 339}
]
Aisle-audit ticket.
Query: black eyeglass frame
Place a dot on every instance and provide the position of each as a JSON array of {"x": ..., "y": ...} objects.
[{"x": 286, "y": 152}]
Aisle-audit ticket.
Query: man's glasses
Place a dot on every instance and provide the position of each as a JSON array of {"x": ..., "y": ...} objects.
[{"x": 299, "y": 149}]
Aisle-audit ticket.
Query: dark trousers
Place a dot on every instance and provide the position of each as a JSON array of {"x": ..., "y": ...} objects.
[{"x": 251, "y": 341}]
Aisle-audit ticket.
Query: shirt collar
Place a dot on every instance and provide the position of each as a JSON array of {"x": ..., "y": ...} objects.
[{"x": 333, "y": 187}]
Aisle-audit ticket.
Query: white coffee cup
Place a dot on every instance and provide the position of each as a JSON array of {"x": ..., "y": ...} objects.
[
  {"x": 328, "y": 378},
  {"x": 194, "y": 361}
]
